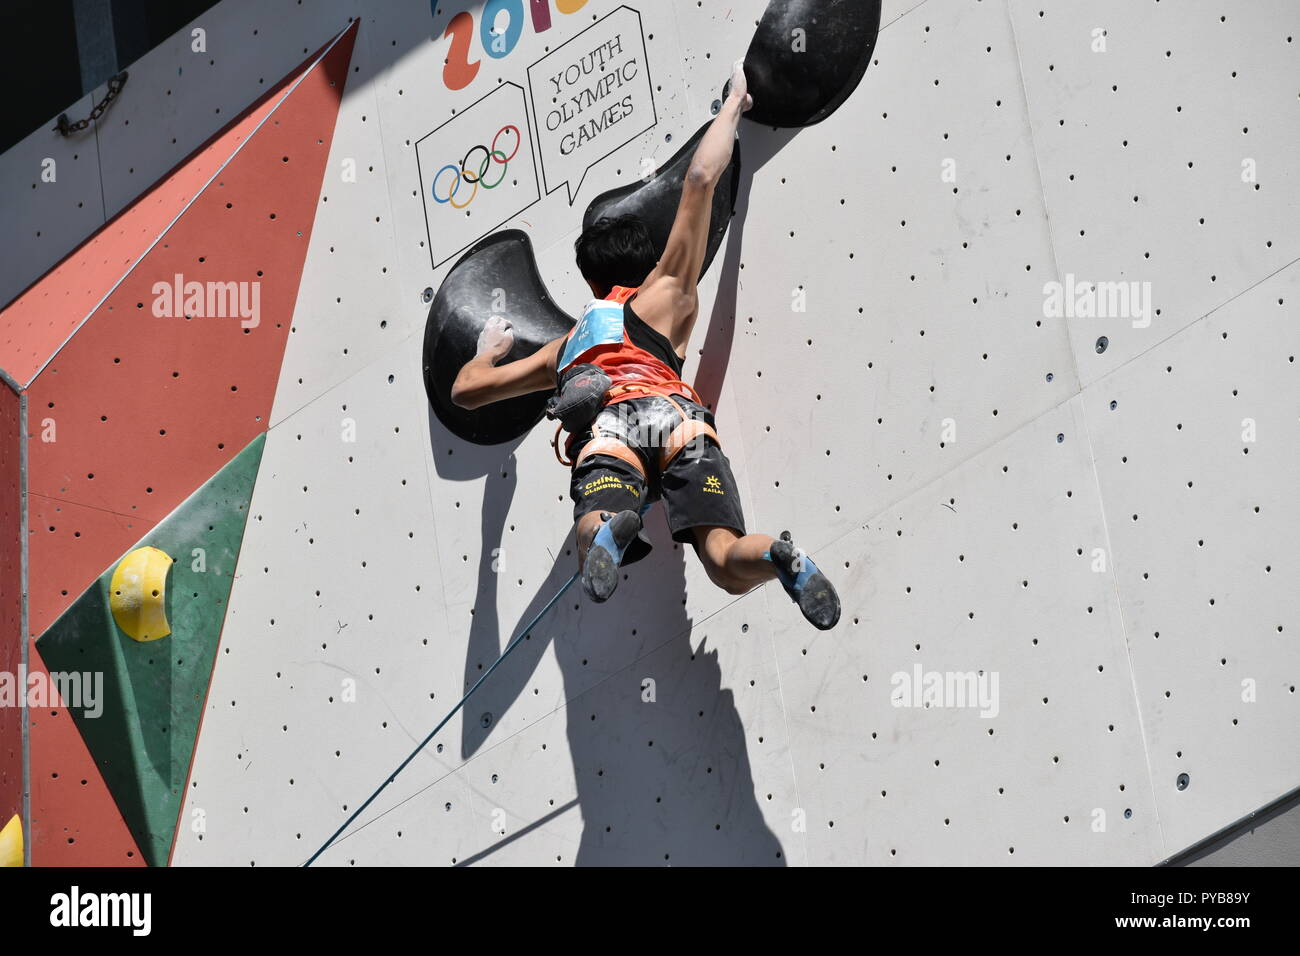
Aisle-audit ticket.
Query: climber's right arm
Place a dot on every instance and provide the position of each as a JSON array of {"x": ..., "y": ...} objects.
[{"x": 668, "y": 300}]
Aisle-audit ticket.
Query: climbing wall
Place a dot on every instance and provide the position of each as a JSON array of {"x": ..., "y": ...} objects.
[
  {"x": 11, "y": 602},
  {"x": 1008, "y": 340}
]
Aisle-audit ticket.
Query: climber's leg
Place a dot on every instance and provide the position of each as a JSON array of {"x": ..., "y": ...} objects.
[
  {"x": 737, "y": 563},
  {"x": 734, "y": 562},
  {"x": 703, "y": 506},
  {"x": 608, "y": 492}
]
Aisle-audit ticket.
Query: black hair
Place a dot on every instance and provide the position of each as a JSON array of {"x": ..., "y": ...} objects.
[{"x": 616, "y": 251}]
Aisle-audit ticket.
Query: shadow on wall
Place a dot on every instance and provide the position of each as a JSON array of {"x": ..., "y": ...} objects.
[
  {"x": 658, "y": 781},
  {"x": 662, "y": 781},
  {"x": 760, "y": 145}
]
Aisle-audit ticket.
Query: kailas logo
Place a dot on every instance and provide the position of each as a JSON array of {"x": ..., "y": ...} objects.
[
  {"x": 713, "y": 485},
  {"x": 74, "y": 909}
]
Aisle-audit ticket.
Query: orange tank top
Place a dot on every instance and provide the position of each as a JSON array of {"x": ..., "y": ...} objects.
[{"x": 600, "y": 338}]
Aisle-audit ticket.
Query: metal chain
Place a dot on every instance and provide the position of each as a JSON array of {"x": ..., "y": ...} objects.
[{"x": 115, "y": 85}]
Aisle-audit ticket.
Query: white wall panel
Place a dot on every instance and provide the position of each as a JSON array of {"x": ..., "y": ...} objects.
[
  {"x": 889, "y": 320},
  {"x": 698, "y": 775},
  {"x": 1197, "y": 464},
  {"x": 338, "y": 591},
  {"x": 1167, "y": 157},
  {"x": 987, "y": 571}
]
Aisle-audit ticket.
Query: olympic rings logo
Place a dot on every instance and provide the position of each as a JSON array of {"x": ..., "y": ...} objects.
[{"x": 463, "y": 174}]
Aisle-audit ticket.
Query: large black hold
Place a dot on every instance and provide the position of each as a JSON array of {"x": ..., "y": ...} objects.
[
  {"x": 807, "y": 57},
  {"x": 468, "y": 297},
  {"x": 655, "y": 202}
]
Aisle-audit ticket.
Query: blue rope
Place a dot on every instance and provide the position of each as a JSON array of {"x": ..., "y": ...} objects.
[{"x": 393, "y": 776}]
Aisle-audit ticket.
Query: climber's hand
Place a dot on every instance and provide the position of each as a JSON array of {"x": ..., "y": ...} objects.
[
  {"x": 496, "y": 340},
  {"x": 740, "y": 86}
]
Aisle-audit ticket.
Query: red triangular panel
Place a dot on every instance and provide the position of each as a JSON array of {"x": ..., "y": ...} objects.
[{"x": 144, "y": 409}]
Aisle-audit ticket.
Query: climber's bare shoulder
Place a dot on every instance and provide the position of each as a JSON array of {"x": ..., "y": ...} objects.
[{"x": 668, "y": 306}]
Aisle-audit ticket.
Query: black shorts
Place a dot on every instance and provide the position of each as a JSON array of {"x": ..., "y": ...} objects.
[{"x": 697, "y": 489}]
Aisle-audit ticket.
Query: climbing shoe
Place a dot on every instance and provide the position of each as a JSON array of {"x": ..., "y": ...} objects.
[
  {"x": 600, "y": 573},
  {"x": 805, "y": 584}
]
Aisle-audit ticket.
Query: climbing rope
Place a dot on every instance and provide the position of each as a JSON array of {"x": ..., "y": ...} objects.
[{"x": 424, "y": 743}]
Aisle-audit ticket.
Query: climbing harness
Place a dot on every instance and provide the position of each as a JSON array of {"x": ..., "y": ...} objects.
[
  {"x": 601, "y": 366},
  {"x": 687, "y": 431}
]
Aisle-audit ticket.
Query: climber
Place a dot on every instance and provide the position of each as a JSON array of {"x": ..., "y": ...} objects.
[{"x": 642, "y": 434}]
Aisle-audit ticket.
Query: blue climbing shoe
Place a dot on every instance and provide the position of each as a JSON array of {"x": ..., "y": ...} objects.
[
  {"x": 605, "y": 556},
  {"x": 805, "y": 583}
]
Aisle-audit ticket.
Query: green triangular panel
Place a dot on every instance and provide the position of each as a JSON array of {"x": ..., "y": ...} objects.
[{"x": 142, "y": 727}]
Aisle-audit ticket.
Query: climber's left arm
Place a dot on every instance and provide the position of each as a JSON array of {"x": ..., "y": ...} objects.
[{"x": 482, "y": 382}]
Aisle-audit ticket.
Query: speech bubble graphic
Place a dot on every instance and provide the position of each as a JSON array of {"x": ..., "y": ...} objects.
[
  {"x": 477, "y": 171},
  {"x": 591, "y": 96}
]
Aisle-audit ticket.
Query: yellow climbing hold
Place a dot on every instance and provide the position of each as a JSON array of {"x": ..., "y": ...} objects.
[
  {"x": 11, "y": 843},
  {"x": 138, "y": 592}
]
